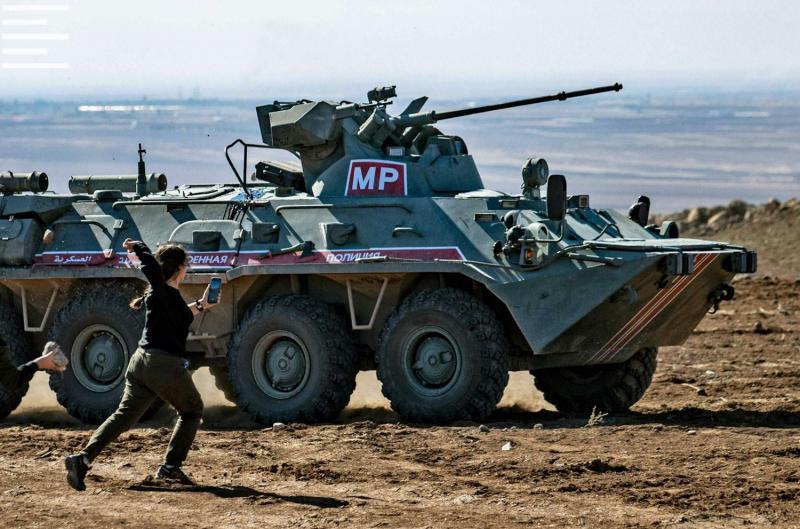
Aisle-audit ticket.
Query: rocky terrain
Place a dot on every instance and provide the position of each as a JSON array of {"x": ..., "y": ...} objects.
[
  {"x": 772, "y": 228},
  {"x": 715, "y": 442}
]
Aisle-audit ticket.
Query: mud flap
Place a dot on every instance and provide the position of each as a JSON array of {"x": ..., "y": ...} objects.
[{"x": 741, "y": 263}]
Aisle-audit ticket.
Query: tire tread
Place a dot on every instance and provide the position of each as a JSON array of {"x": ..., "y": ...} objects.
[
  {"x": 621, "y": 389},
  {"x": 342, "y": 359},
  {"x": 483, "y": 327},
  {"x": 19, "y": 350},
  {"x": 102, "y": 294}
]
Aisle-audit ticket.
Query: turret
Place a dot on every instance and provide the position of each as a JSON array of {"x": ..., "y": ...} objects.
[{"x": 328, "y": 136}]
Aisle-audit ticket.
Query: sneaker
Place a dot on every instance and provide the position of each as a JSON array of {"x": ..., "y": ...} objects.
[
  {"x": 76, "y": 471},
  {"x": 173, "y": 474}
]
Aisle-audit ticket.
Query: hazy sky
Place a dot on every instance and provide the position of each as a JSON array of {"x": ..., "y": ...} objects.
[{"x": 170, "y": 48}]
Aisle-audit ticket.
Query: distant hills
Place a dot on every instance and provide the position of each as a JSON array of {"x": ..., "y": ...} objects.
[{"x": 772, "y": 229}]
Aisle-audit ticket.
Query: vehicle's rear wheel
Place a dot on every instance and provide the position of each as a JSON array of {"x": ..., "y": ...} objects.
[
  {"x": 443, "y": 356},
  {"x": 98, "y": 332},
  {"x": 607, "y": 387},
  {"x": 291, "y": 359},
  {"x": 15, "y": 349},
  {"x": 222, "y": 380}
]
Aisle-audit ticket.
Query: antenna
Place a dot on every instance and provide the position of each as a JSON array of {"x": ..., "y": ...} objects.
[{"x": 141, "y": 179}]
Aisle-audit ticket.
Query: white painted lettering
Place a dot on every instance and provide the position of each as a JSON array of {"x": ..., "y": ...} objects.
[
  {"x": 387, "y": 176},
  {"x": 362, "y": 181}
]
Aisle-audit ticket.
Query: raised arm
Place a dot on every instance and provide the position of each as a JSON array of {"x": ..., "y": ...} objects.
[{"x": 150, "y": 267}]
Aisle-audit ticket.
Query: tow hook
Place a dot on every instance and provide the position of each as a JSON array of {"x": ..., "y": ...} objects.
[
  {"x": 513, "y": 235},
  {"x": 724, "y": 292}
]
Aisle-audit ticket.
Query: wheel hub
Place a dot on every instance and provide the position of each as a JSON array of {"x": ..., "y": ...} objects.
[
  {"x": 104, "y": 357},
  {"x": 281, "y": 364},
  {"x": 434, "y": 362},
  {"x": 99, "y": 358},
  {"x": 285, "y": 365}
]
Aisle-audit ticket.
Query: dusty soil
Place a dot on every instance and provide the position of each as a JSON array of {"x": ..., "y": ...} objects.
[{"x": 715, "y": 442}]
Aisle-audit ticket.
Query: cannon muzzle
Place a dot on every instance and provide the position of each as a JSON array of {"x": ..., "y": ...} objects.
[{"x": 11, "y": 182}]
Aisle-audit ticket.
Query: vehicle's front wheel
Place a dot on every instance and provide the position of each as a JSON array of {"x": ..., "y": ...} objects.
[
  {"x": 291, "y": 359},
  {"x": 606, "y": 387},
  {"x": 98, "y": 332},
  {"x": 16, "y": 350},
  {"x": 443, "y": 356}
]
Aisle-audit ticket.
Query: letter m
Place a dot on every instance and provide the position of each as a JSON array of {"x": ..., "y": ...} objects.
[{"x": 361, "y": 181}]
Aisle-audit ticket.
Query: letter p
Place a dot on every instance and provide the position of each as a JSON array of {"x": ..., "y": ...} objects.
[{"x": 387, "y": 175}]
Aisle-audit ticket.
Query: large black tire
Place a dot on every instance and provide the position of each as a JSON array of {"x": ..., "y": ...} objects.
[
  {"x": 98, "y": 332},
  {"x": 16, "y": 350},
  {"x": 292, "y": 359},
  {"x": 222, "y": 380},
  {"x": 609, "y": 388},
  {"x": 443, "y": 356}
]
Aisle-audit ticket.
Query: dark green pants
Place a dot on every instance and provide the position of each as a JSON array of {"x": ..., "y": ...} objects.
[{"x": 151, "y": 375}]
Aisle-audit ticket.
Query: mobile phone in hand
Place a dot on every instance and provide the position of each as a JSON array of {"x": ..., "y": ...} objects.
[{"x": 213, "y": 290}]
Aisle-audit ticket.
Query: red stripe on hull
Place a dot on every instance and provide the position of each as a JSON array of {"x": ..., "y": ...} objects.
[
  {"x": 231, "y": 259},
  {"x": 650, "y": 311}
]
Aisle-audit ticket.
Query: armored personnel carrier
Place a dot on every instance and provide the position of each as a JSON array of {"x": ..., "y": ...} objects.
[{"x": 380, "y": 250}]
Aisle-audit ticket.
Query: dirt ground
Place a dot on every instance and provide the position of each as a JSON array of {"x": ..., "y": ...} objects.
[{"x": 714, "y": 443}]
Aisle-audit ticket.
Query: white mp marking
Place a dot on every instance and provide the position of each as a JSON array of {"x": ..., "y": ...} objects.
[{"x": 376, "y": 177}]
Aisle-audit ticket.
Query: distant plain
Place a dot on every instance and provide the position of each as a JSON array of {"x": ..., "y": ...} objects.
[{"x": 683, "y": 149}]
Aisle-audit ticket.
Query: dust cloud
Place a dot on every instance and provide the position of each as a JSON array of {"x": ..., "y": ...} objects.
[
  {"x": 519, "y": 393},
  {"x": 39, "y": 394}
]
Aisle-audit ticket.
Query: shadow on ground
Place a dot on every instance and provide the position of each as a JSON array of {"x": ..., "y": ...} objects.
[
  {"x": 239, "y": 491},
  {"x": 690, "y": 416},
  {"x": 224, "y": 417}
]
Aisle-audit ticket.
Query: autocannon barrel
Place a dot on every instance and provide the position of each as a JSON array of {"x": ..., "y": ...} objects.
[
  {"x": 126, "y": 183},
  {"x": 423, "y": 118},
  {"x": 11, "y": 182}
]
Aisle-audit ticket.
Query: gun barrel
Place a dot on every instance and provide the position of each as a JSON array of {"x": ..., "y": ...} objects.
[
  {"x": 126, "y": 183},
  {"x": 561, "y": 96}
]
